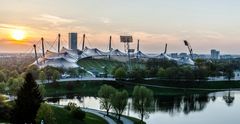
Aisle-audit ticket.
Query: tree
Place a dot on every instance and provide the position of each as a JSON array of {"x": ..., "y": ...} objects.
[
  {"x": 73, "y": 72},
  {"x": 138, "y": 74},
  {"x": 82, "y": 72},
  {"x": 142, "y": 100},
  {"x": 42, "y": 89},
  {"x": 42, "y": 76},
  {"x": 228, "y": 71},
  {"x": 56, "y": 76},
  {"x": 2, "y": 77},
  {"x": 105, "y": 93},
  {"x": 120, "y": 73},
  {"x": 34, "y": 71},
  {"x": 15, "y": 84},
  {"x": 162, "y": 73},
  {"x": 119, "y": 102},
  {"x": 46, "y": 114},
  {"x": 14, "y": 74},
  {"x": 28, "y": 102}
]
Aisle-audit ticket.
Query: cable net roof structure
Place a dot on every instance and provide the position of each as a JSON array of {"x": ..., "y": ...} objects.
[
  {"x": 140, "y": 54},
  {"x": 116, "y": 52},
  {"x": 87, "y": 52}
]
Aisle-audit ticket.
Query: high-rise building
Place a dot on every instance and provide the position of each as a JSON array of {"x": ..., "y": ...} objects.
[
  {"x": 215, "y": 54},
  {"x": 72, "y": 41}
]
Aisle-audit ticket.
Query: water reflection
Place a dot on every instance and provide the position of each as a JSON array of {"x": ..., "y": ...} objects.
[
  {"x": 229, "y": 98},
  {"x": 177, "y": 104},
  {"x": 172, "y": 105}
]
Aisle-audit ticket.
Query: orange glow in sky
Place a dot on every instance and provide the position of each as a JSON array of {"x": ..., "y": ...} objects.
[{"x": 18, "y": 34}]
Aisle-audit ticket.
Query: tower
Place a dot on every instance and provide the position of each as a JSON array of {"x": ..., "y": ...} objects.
[{"x": 72, "y": 40}]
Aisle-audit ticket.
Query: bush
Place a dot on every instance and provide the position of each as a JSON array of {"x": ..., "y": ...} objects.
[
  {"x": 78, "y": 113},
  {"x": 46, "y": 114},
  {"x": 5, "y": 109},
  {"x": 71, "y": 106}
]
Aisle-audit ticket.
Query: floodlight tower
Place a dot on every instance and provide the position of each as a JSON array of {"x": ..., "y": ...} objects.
[{"x": 127, "y": 40}]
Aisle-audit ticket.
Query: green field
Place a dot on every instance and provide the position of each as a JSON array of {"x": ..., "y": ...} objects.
[{"x": 98, "y": 64}]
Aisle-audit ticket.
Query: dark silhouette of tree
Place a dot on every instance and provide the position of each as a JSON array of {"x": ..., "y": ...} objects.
[{"x": 28, "y": 102}]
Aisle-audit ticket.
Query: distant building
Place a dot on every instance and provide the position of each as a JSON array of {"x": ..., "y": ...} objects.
[
  {"x": 215, "y": 54},
  {"x": 72, "y": 41},
  {"x": 195, "y": 56},
  {"x": 183, "y": 55},
  {"x": 226, "y": 57},
  {"x": 174, "y": 55},
  {"x": 204, "y": 56}
]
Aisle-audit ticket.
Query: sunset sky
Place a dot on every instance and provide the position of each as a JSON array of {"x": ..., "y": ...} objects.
[{"x": 205, "y": 24}]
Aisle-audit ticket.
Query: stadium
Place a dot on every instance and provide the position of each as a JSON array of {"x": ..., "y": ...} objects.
[{"x": 93, "y": 59}]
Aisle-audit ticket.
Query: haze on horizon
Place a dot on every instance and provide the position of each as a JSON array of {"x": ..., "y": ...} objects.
[{"x": 206, "y": 24}]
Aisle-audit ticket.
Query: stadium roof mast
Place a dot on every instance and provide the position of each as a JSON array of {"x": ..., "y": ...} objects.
[
  {"x": 43, "y": 51},
  {"x": 165, "y": 50},
  {"x": 35, "y": 50},
  {"x": 126, "y": 40},
  {"x": 59, "y": 41},
  {"x": 138, "y": 49},
  {"x": 189, "y": 48},
  {"x": 110, "y": 46}
]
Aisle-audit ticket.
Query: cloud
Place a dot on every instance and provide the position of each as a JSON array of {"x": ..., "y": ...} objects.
[
  {"x": 56, "y": 20},
  {"x": 10, "y": 26},
  {"x": 211, "y": 35},
  {"x": 105, "y": 20}
]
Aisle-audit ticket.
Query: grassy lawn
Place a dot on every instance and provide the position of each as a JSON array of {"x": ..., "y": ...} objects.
[
  {"x": 93, "y": 119},
  {"x": 64, "y": 117}
]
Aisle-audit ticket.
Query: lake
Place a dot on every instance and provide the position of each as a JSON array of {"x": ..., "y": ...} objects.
[{"x": 211, "y": 108}]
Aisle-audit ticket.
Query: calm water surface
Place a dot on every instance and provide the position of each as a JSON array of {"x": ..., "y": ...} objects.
[{"x": 213, "y": 108}]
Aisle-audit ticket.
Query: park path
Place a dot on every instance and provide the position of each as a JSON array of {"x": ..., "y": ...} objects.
[
  {"x": 124, "y": 119},
  {"x": 102, "y": 113},
  {"x": 98, "y": 113}
]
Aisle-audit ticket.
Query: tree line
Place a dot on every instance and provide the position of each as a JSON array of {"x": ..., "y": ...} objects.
[
  {"x": 167, "y": 69},
  {"x": 113, "y": 99}
]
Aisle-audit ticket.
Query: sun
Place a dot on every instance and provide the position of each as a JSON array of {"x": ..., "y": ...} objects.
[{"x": 18, "y": 34}]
